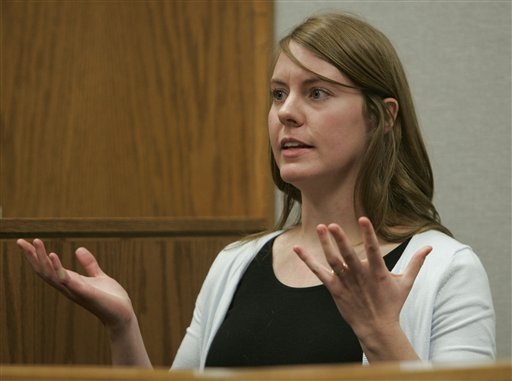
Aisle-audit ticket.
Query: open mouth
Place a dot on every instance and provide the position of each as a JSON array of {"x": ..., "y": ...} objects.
[{"x": 293, "y": 144}]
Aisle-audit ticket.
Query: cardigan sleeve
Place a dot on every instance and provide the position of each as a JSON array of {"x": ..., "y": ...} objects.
[
  {"x": 189, "y": 352},
  {"x": 463, "y": 321}
]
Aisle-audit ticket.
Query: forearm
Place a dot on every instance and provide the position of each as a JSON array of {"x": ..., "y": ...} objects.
[
  {"x": 127, "y": 345},
  {"x": 391, "y": 345}
]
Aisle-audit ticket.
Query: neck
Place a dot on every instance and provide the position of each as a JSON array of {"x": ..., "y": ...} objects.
[{"x": 327, "y": 208}]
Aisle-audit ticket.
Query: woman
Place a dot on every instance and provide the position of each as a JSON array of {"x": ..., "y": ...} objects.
[{"x": 334, "y": 287}]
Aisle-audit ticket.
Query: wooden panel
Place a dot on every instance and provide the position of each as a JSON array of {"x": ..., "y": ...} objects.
[
  {"x": 135, "y": 108},
  {"x": 161, "y": 276},
  {"x": 162, "y": 273}
]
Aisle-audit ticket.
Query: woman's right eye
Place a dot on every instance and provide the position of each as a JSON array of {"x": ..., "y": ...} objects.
[{"x": 278, "y": 95}]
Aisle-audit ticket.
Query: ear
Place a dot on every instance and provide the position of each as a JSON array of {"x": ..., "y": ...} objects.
[{"x": 392, "y": 107}]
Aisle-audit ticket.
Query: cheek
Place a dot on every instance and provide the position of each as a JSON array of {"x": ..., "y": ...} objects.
[
  {"x": 349, "y": 130},
  {"x": 273, "y": 130}
]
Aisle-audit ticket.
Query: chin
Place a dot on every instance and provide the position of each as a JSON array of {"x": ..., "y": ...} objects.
[{"x": 293, "y": 178}]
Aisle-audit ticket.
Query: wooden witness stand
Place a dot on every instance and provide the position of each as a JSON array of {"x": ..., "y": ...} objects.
[{"x": 501, "y": 371}]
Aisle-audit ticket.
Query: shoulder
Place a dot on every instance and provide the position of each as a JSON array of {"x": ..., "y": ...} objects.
[
  {"x": 444, "y": 247},
  {"x": 448, "y": 257},
  {"x": 440, "y": 242}
]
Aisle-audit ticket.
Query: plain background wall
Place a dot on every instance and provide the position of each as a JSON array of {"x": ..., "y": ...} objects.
[{"x": 457, "y": 55}]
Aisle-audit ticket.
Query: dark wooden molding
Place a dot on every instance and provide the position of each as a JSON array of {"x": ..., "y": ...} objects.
[{"x": 117, "y": 227}]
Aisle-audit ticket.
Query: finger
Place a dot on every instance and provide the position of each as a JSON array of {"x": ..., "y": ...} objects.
[
  {"x": 371, "y": 244},
  {"x": 61, "y": 272},
  {"x": 45, "y": 266},
  {"x": 29, "y": 252},
  {"x": 88, "y": 262},
  {"x": 331, "y": 252},
  {"x": 68, "y": 281},
  {"x": 323, "y": 273},
  {"x": 413, "y": 268},
  {"x": 346, "y": 250},
  {"x": 24, "y": 245}
]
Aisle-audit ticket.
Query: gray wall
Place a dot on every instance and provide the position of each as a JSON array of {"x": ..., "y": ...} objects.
[{"x": 458, "y": 58}]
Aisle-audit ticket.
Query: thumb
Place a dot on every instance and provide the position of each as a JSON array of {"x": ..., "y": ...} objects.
[
  {"x": 88, "y": 262},
  {"x": 414, "y": 266}
]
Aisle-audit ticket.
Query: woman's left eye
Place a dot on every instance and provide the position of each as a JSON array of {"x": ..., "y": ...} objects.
[{"x": 318, "y": 93}]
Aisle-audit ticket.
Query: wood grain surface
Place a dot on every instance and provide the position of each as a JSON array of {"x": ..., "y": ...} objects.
[
  {"x": 162, "y": 273},
  {"x": 135, "y": 108},
  {"x": 136, "y": 129}
]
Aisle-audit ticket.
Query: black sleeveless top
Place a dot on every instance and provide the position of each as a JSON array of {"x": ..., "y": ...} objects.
[{"x": 269, "y": 323}]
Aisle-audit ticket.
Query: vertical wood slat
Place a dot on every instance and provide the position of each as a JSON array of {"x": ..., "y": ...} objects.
[
  {"x": 135, "y": 108},
  {"x": 162, "y": 274}
]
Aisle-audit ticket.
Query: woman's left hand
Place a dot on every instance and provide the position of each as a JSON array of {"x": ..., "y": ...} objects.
[{"x": 367, "y": 294}]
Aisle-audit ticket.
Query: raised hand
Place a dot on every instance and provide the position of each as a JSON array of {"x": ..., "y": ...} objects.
[
  {"x": 368, "y": 296},
  {"x": 96, "y": 292}
]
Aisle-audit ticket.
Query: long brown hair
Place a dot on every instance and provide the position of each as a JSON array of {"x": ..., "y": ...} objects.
[{"x": 395, "y": 185}]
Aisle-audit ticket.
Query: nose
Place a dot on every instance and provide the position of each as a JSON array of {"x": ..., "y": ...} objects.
[{"x": 290, "y": 112}]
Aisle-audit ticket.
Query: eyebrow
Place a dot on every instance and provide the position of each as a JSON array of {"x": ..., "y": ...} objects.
[
  {"x": 316, "y": 79},
  {"x": 306, "y": 82}
]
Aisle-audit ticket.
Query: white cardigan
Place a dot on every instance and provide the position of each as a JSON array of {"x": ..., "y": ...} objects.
[{"x": 448, "y": 315}]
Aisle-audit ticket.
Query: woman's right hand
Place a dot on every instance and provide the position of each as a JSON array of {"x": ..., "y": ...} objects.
[{"x": 97, "y": 292}]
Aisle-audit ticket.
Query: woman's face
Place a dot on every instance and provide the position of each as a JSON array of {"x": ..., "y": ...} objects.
[{"x": 317, "y": 129}]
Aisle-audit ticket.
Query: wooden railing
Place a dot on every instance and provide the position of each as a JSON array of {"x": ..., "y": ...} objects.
[{"x": 500, "y": 371}]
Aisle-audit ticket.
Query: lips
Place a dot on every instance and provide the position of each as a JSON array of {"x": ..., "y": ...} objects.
[{"x": 290, "y": 143}]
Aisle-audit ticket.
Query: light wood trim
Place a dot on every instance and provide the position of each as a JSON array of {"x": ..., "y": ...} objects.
[{"x": 500, "y": 371}]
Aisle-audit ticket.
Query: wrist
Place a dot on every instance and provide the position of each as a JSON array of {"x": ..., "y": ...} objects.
[
  {"x": 386, "y": 342},
  {"x": 121, "y": 327},
  {"x": 127, "y": 345},
  {"x": 375, "y": 331}
]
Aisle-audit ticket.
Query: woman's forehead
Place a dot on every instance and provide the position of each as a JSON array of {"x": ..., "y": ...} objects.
[{"x": 305, "y": 64}]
